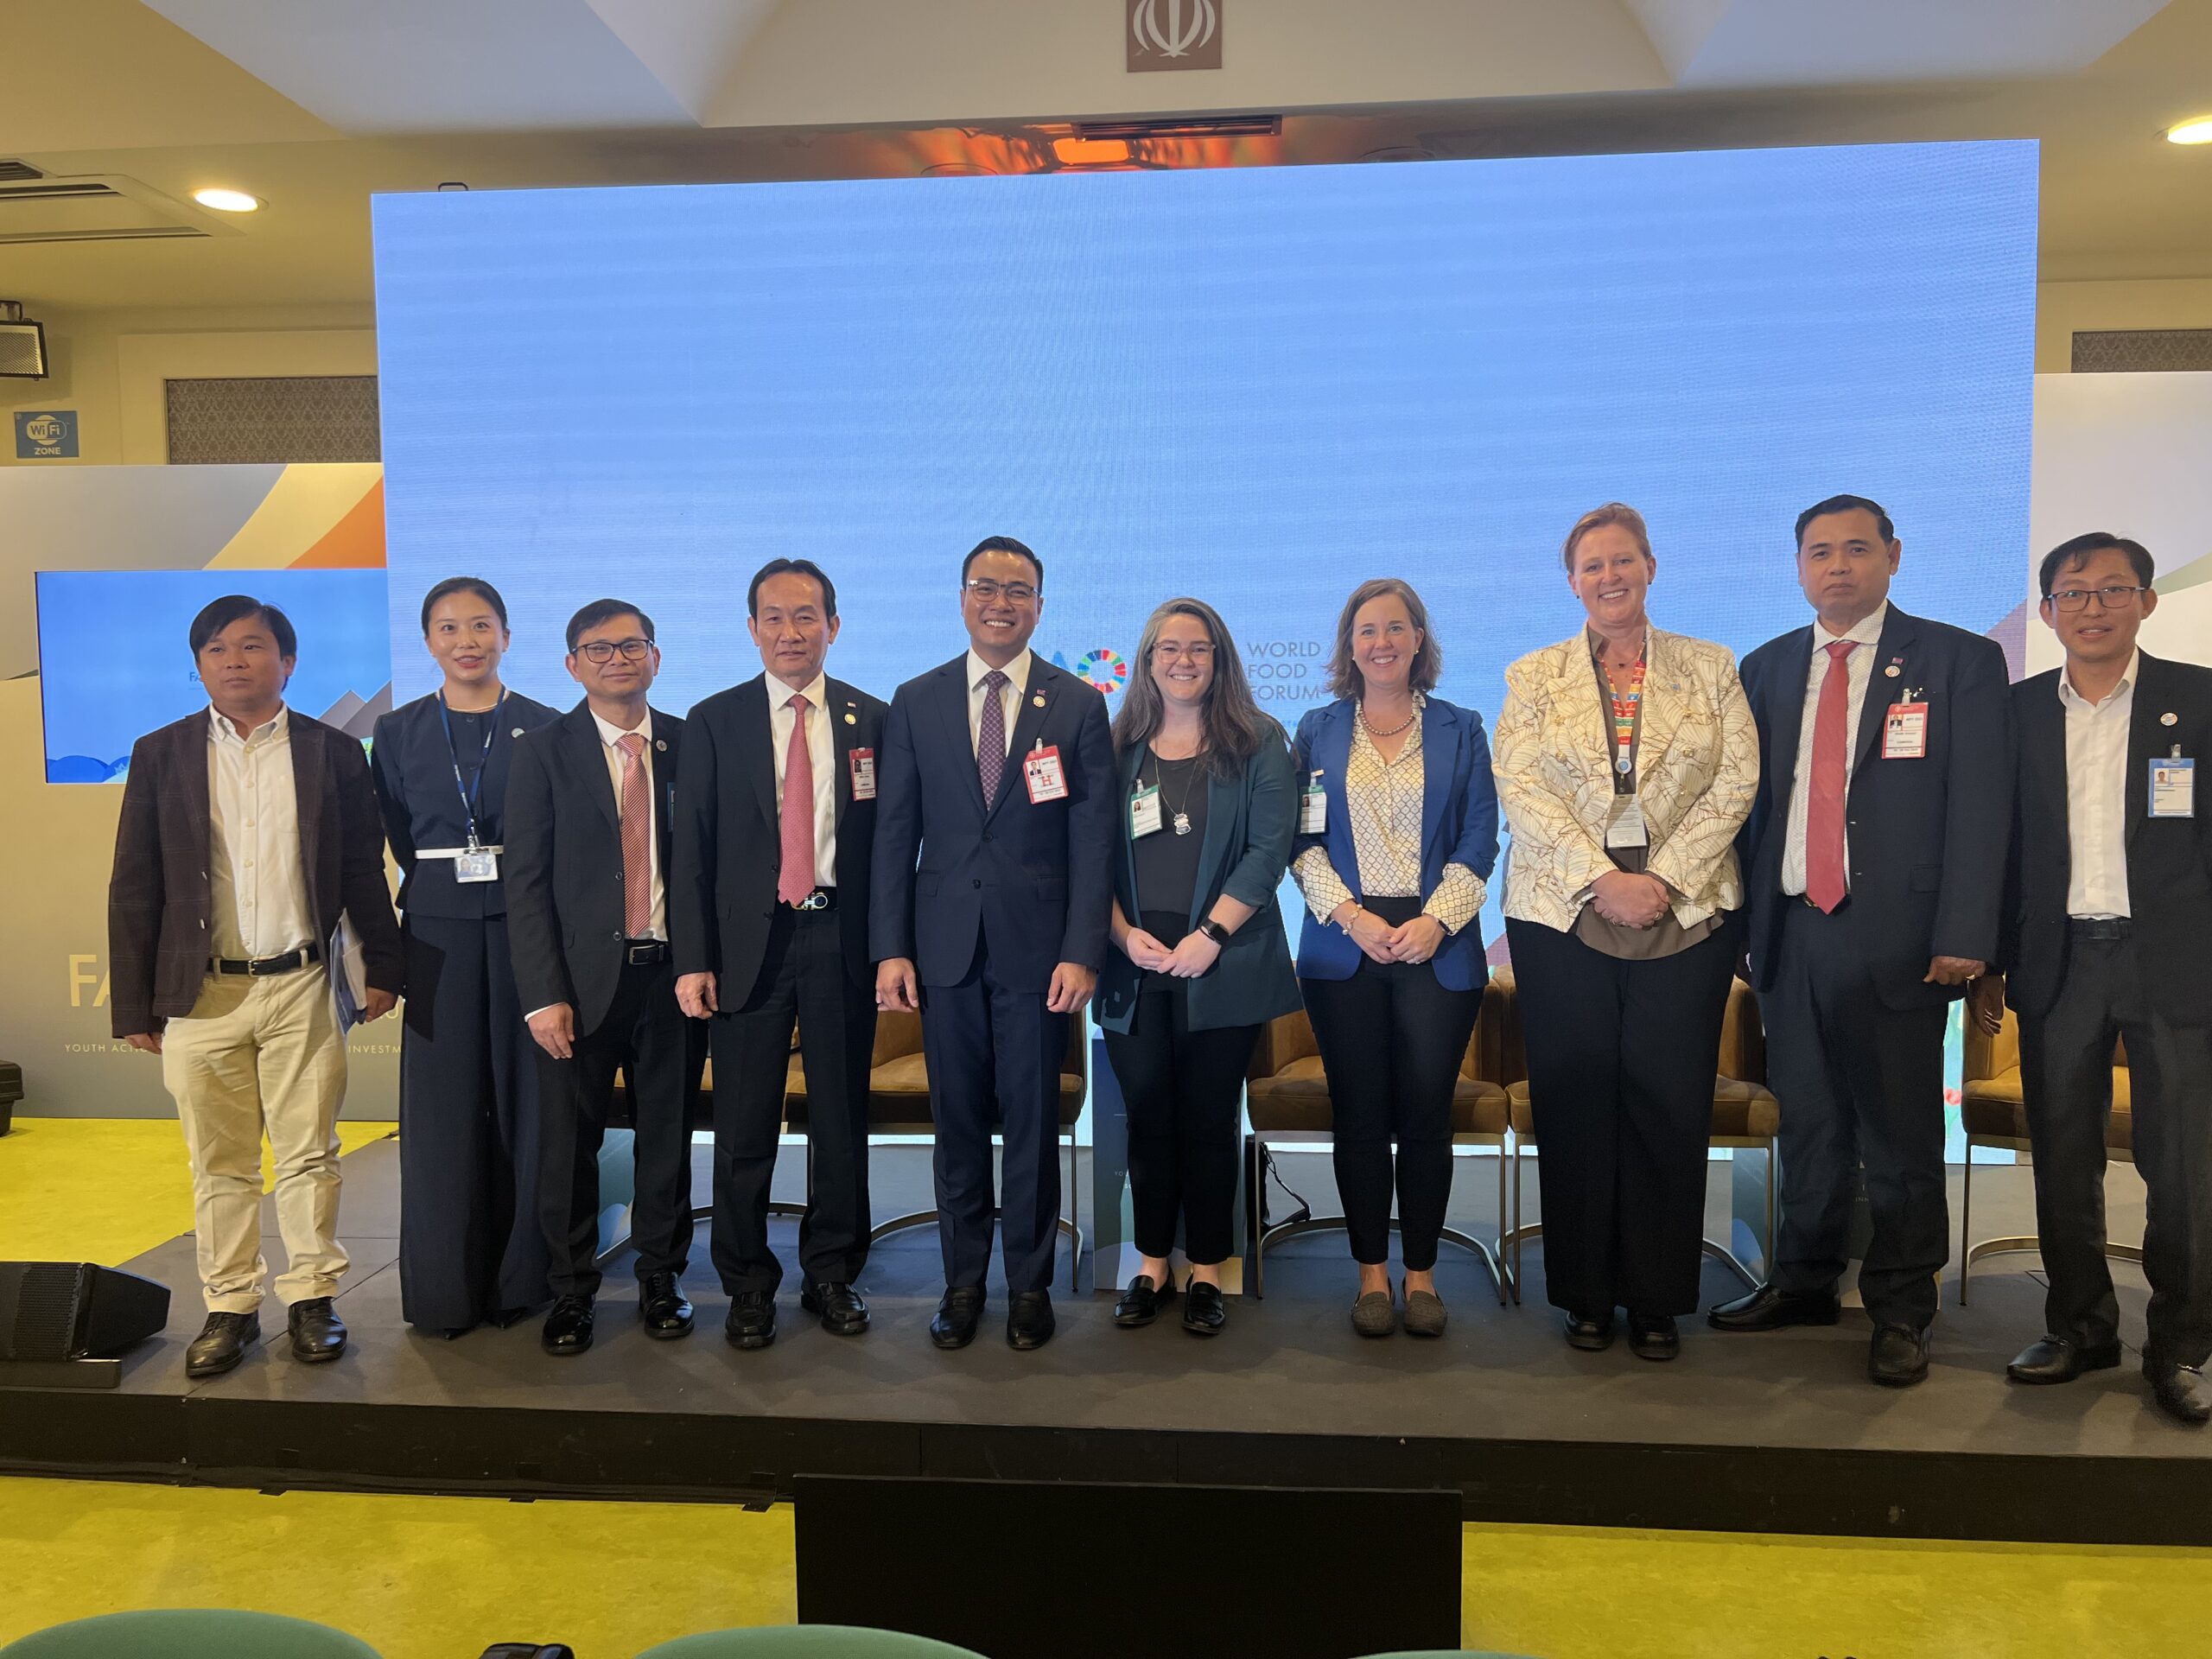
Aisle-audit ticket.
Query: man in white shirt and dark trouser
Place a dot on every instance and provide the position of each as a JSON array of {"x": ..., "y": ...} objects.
[
  {"x": 2108, "y": 909},
  {"x": 246, "y": 831}
]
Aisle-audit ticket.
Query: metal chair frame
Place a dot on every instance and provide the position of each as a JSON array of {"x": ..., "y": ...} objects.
[
  {"x": 1069, "y": 1229},
  {"x": 2015, "y": 1244}
]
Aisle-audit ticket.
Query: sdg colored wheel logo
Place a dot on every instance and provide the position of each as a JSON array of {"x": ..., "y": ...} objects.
[{"x": 1104, "y": 669}]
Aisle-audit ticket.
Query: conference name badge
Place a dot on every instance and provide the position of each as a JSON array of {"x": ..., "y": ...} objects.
[
  {"x": 1904, "y": 732},
  {"x": 2173, "y": 788},
  {"x": 1624, "y": 823},
  {"x": 863, "y": 774},
  {"x": 1313, "y": 809},
  {"x": 476, "y": 864},
  {"x": 1144, "y": 812},
  {"x": 1040, "y": 770}
]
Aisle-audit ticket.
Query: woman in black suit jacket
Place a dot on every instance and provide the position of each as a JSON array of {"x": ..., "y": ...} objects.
[
  {"x": 1200, "y": 962},
  {"x": 470, "y": 1246}
]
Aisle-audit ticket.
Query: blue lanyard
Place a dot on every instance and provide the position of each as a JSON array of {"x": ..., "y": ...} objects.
[{"x": 470, "y": 788}]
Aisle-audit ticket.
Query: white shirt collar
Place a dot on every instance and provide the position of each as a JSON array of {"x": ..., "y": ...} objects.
[
  {"x": 2073, "y": 699},
  {"x": 611, "y": 735},
  {"x": 223, "y": 732},
  {"x": 1867, "y": 631},
  {"x": 1017, "y": 671},
  {"x": 780, "y": 693}
]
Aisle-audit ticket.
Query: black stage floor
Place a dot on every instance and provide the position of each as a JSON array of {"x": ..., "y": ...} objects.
[{"x": 1778, "y": 1433}]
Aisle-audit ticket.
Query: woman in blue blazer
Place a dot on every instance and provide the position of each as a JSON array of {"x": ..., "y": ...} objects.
[
  {"x": 1397, "y": 833},
  {"x": 1200, "y": 963},
  {"x": 470, "y": 1248}
]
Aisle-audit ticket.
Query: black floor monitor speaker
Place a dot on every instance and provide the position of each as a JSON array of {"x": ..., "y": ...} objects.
[
  {"x": 1009, "y": 1569},
  {"x": 55, "y": 1315}
]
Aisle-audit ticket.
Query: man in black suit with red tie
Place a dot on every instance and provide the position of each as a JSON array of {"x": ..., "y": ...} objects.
[
  {"x": 589, "y": 801},
  {"x": 1873, "y": 864},
  {"x": 2108, "y": 912},
  {"x": 775, "y": 825},
  {"x": 998, "y": 777}
]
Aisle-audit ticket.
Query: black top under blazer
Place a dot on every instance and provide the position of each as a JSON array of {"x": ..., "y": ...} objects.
[
  {"x": 413, "y": 765},
  {"x": 563, "y": 863},
  {"x": 729, "y": 843},
  {"x": 1032, "y": 882},
  {"x": 1925, "y": 838},
  {"x": 2168, "y": 859}
]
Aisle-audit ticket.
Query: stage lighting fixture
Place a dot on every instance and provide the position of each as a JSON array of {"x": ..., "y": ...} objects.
[
  {"x": 2197, "y": 130},
  {"x": 1091, "y": 152},
  {"x": 227, "y": 201}
]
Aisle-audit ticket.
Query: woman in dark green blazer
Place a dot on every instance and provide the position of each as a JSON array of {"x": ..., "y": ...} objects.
[{"x": 1200, "y": 962}]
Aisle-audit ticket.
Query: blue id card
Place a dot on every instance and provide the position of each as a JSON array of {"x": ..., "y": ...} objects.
[{"x": 2173, "y": 788}]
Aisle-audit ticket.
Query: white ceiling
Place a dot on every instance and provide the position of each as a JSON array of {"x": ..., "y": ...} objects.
[{"x": 312, "y": 105}]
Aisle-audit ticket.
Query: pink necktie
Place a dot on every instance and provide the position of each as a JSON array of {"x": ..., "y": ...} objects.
[
  {"x": 1824, "y": 878},
  {"x": 797, "y": 879},
  {"x": 637, "y": 838}
]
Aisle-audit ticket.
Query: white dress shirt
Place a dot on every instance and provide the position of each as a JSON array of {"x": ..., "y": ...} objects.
[
  {"x": 610, "y": 735},
  {"x": 822, "y": 755},
  {"x": 253, "y": 842},
  {"x": 1868, "y": 636},
  {"x": 2096, "y": 795},
  {"x": 1010, "y": 695}
]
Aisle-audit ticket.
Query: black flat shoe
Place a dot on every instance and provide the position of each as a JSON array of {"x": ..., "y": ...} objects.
[
  {"x": 751, "y": 1322},
  {"x": 662, "y": 1308},
  {"x": 1139, "y": 1303},
  {"x": 1029, "y": 1320},
  {"x": 2182, "y": 1393},
  {"x": 1769, "y": 1309},
  {"x": 567, "y": 1327},
  {"x": 318, "y": 1335},
  {"x": 2054, "y": 1359},
  {"x": 1653, "y": 1336},
  {"x": 838, "y": 1306},
  {"x": 957, "y": 1315},
  {"x": 1898, "y": 1356},
  {"x": 1205, "y": 1310},
  {"x": 221, "y": 1343},
  {"x": 1592, "y": 1334}
]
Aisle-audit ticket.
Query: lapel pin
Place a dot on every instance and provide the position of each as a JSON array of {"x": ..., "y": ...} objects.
[
  {"x": 661, "y": 743},
  {"x": 852, "y": 719},
  {"x": 1892, "y": 670},
  {"x": 1038, "y": 700},
  {"x": 515, "y": 733},
  {"x": 2169, "y": 718}
]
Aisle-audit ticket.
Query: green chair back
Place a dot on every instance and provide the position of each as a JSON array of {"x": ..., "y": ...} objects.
[
  {"x": 188, "y": 1633},
  {"x": 804, "y": 1642}
]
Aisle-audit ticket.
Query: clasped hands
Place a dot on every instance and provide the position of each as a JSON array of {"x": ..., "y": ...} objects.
[
  {"x": 1414, "y": 941},
  {"x": 1187, "y": 960},
  {"x": 1630, "y": 899}
]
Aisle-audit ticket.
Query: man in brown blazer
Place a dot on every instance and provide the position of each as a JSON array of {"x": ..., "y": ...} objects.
[{"x": 247, "y": 831}]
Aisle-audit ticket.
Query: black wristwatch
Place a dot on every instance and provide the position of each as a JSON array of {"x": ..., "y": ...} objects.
[{"x": 1214, "y": 931}]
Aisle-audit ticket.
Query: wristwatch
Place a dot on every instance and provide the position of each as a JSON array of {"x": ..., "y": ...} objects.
[{"x": 1214, "y": 931}]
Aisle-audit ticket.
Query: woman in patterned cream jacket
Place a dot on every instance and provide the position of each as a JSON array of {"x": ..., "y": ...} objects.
[{"x": 1627, "y": 760}]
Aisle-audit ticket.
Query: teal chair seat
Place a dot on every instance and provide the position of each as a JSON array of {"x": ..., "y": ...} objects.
[
  {"x": 804, "y": 1642},
  {"x": 188, "y": 1633}
]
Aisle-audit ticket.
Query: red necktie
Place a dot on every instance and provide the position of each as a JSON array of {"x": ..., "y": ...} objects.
[
  {"x": 637, "y": 839},
  {"x": 796, "y": 878},
  {"x": 1824, "y": 879}
]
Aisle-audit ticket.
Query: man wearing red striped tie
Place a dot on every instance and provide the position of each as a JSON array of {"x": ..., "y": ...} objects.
[
  {"x": 1874, "y": 861},
  {"x": 590, "y": 800},
  {"x": 775, "y": 821}
]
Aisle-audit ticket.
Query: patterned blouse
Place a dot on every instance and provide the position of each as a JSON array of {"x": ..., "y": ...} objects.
[{"x": 1383, "y": 799}]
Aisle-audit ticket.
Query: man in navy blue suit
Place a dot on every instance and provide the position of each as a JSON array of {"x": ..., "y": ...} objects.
[
  {"x": 998, "y": 776},
  {"x": 1874, "y": 873}
]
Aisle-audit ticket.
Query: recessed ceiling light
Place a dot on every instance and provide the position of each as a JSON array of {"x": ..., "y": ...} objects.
[
  {"x": 2198, "y": 132},
  {"x": 227, "y": 201}
]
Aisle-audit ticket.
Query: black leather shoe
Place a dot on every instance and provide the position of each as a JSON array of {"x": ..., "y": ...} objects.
[
  {"x": 2182, "y": 1393},
  {"x": 751, "y": 1322},
  {"x": 662, "y": 1308},
  {"x": 1139, "y": 1303},
  {"x": 1769, "y": 1309},
  {"x": 567, "y": 1327},
  {"x": 1653, "y": 1336},
  {"x": 2054, "y": 1359},
  {"x": 839, "y": 1307},
  {"x": 221, "y": 1343},
  {"x": 1898, "y": 1358},
  {"x": 957, "y": 1316},
  {"x": 1029, "y": 1320},
  {"x": 318, "y": 1334},
  {"x": 1205, "y": 1310},
  {"x": 1593, "y": 1335}
]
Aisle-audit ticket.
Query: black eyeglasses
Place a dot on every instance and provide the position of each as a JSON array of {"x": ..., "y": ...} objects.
[
  {"x": 2077, "y": 599},
  {"x": 602, "y": 650},
  {"x": 1018, "y": 593}
]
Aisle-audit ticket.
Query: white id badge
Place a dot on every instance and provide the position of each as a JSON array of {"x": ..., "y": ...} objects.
[
  {"x": 2173, "y": 788},
  {"x": 1904, "y": 732},
  {"x": 1144, "y": 813},
  {"x": 1625, "y": 826},
  {"x": 1313, "y": 809},
  {"x": 1040, "y": 770},
  {"x": 863, "y": 774},
  {"x": 477, "y": 864}
]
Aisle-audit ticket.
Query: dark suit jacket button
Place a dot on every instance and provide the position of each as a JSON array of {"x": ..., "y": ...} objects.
[
  {"x": 987, "y": 835},
  {"x": 977, "y": 883},
  {"x": 616, "y": 935}
]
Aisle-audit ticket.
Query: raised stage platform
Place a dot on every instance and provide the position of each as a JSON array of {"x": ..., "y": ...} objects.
[{"x": 1776, "y": 1433}]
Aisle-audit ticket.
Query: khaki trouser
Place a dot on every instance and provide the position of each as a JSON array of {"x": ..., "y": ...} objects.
[{"x": 255, "y": 1055}]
